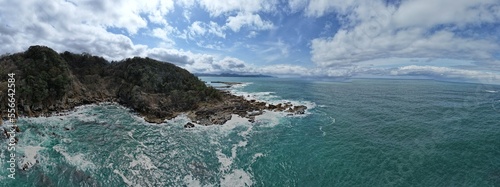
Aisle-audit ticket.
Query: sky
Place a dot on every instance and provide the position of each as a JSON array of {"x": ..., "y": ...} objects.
[{"x": 438, "y": 39}]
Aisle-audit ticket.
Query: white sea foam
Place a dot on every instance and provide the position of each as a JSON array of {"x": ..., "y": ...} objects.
[
  {"x": 30, "y": 156},
  {"x": 77, "y": 160},
  {"x": 231, "y": 176},
  {"x": 224, "y": 160},
  {"x": 256, "y": 156},
  {"x": 191, "y": 181},
  {"x": 239, "y": 86},
  {"x": 271, "y": 98},
  {"x": 269, "y": 118},
  {"x": 491, "y": 91},
  {"x": 237, "y": 178},
  {"x": 127, "y": 181},
  {"x": 143, "y": 161},
  {"x": 234, "y": 122}
]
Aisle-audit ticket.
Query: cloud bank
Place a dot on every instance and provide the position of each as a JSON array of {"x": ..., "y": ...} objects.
[{"x": 319, "y": 38}]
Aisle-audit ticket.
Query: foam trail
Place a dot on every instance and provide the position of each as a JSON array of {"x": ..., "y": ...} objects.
[
  {"x": 76, "y": 160},
  {"x": 128, "y": 182},
  {"x": 321, "y": 129}
]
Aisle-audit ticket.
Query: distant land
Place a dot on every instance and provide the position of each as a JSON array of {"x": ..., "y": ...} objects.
[
  {"x": 228, "y": 75},
  {"x": 47, "y": 83}
]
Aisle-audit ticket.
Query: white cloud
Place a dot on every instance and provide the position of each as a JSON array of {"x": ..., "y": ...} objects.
[
  {"x": 369, "y": 31},
  {"x": 252, "y": 34},
  {"x": 199, "y": 28},
  {"x": 446, "y": 72},
  {"x": 229, "y": 64},
  {"x": 284, "y": 69},
  {"x": 196, "y": 28},
  {"x": 241, "y": 13},
  {"x": 217, "y": 8},
  {"x": 428, "y": 13},
  {"x": 164, "y": 33},
  {"x": 79, "y": 26},
  {"x": 253, "y": 21},
  {"x": 178, "y": 57},
  {"x": 297, "y": 5},
  {"x": 318, "y": 8},
  {"x": 374, "y": 30}
]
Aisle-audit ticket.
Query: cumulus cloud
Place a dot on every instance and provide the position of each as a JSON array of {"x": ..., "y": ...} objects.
[
  {"x": 199, "y": 28},
  {"x": 374, "y": 29},
  {"x": 357, "y": 42},
  {"x": 253, "y": 21},
  {"x": 217, "y": 8},
  {"x": 318, "y": 8},
  {"x": 84, "y": 27}
]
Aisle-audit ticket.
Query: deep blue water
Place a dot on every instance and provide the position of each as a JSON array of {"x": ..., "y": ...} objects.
[{"x": 358, "y": 133}]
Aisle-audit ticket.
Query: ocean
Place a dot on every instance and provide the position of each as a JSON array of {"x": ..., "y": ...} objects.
[{"x": 362, "y": 132}]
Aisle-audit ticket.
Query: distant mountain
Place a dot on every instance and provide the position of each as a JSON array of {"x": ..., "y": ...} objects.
[{"x": 228, "y": 75}]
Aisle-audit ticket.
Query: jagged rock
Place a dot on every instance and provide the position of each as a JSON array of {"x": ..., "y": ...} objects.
[
  {"x": 251, "y": 119},
  {"x": 298, "y": 109},
  {"x": 271, "y": 107},
  {"x": 153, "y": 119},
  {"x": 189, "y": 125}
]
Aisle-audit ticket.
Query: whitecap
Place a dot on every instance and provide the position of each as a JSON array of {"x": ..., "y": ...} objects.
[
  {"x": 191, "y": 181},
  {"x": 127, "y": 181},
  {"x": 236, "y": 178},
  {"x": 77, "y": 160},
  {"x": 143, "y": 161},
  {"x": 30, "y": 156}
]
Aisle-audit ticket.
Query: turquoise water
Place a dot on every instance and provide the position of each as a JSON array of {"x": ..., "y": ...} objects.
[{"x": 358, "y": 133}]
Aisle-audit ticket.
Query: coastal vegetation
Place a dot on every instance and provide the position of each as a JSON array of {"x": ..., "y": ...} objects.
[{"x": 48, "y": 82}]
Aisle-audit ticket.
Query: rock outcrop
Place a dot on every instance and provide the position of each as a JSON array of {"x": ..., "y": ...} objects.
[{"x": 48, "y": 83}]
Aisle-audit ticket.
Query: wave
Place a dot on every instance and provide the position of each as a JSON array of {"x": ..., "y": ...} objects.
[
  {"x": 200, "y": 156},
  {"x": 78, "y": 160},
  {"x": 269, "y": 97}
]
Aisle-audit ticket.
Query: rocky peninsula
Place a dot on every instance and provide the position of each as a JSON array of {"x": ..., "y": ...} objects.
[{"x": 48, "y": 83}]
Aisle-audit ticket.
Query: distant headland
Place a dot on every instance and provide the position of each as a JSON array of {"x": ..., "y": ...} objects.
[
  {"x": 229, "y": 75},
  {"x": 48, "y": 83}
]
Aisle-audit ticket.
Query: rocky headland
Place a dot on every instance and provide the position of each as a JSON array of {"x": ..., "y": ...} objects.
[{"x": 48, "y": 83}]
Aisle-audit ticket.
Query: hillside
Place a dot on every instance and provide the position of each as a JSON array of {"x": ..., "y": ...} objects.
[{"x": 48, "y": 82}]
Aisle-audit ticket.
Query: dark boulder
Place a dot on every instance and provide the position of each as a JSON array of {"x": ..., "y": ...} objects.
[{"x": 189, "y": 125}]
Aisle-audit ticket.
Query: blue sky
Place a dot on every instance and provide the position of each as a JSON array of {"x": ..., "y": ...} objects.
[{"x": 442, "y": 39}]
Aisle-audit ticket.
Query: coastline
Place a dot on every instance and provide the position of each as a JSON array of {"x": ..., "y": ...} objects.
[{"x": 207, "y": 113}]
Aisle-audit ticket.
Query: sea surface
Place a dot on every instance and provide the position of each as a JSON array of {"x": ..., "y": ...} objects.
[{"x": 364, "y": 132}]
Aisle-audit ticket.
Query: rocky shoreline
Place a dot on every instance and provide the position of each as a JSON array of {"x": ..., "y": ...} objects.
[
  {"x": 220, "y": 113},
  {"x": 207, "y": 113},
  {"x": 49, "y": 83}
]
